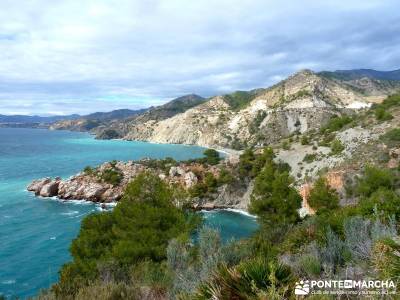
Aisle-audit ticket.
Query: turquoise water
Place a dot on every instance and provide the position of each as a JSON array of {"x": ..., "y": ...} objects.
[{"x": 35, "y": 233}]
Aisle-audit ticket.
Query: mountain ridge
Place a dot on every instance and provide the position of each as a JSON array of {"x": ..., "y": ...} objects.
[{"x": 304, "y": 101}]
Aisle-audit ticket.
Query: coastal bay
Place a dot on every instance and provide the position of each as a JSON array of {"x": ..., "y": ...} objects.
[{"x": 35, "y": 233}]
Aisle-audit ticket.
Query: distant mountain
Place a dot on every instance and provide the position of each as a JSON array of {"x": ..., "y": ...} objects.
[
  {"x": 35, "y": 119},
  {"x": 114, "y": 124},
  {"x": 100, "y": 116},
  {"x": 173, "y": 107},
  {"x": 302, "y": 102},
  {"x": 360, "y": 73},
  {"x": 115, "y": 114}
]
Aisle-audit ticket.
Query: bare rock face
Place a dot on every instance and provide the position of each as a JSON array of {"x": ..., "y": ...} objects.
[
  {"x": 37, "y": 185},
  {"x": 50, "y": 189},
  {"x": 234, "y": 196},
  {"x": 85, "y": 188},
  {"x": 176, "y": 171},
  {"x": 190, "y": 179}
]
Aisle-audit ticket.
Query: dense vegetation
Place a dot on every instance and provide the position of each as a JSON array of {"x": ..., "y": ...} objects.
[
  {"x": 143, "y": 249},
  {"x": 137, "y": 231},
  {"x": 239, "y": 100},
  {"x": 336, "y": 123},
  {"x": 111, "y": 175}
]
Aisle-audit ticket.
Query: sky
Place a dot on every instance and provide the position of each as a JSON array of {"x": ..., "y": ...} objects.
[{"x": 62, "y": 57}]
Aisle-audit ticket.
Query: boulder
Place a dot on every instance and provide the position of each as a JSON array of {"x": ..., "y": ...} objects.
[
  {"x": 111, "y": 195},
  {"x": 190, "y": 179},
  {"x": 176, "y": 171},
  {"x": 37, "y": 185},
  {"x": 93, "y": 191},
  {"x": 50, "y": 189}
]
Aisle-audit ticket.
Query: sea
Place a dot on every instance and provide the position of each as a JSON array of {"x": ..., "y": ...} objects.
[{"x": 35, "y": 233}]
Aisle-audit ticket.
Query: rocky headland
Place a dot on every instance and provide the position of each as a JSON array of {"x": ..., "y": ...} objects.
[{"x": 107, "y": 182}]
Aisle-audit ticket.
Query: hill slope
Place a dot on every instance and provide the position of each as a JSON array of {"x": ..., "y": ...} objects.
[
  {"x": 302, "y": 102},
  {"x": 361, "y": 73}
]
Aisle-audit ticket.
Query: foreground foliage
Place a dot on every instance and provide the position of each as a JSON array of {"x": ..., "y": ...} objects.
[
  {"x": 145, "y": 249},
  {"x": 138, "y": 229}
]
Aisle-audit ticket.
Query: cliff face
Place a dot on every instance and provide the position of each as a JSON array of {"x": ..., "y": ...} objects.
[{"x": 302, "y": 102}]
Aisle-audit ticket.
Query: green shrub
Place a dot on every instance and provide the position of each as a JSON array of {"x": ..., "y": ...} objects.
[
  {"x": 332, "y": 254},
  {"x": 204, "y": 188},
  {"x": 387, "y": 260},
  {"x": 385, "y": 201},
  {"x": 246, "y": 161},
  {"x": 211, "y": 157},
  {"x": 309, "y": 158},
  {"x": 392, "y": 137},
  {"x": 310, "y": 265},
  {"x": 336, "y": 123},
  {"x": 138, "y": 229},
  {"x": 382, "y": 115},
  {"x": 110, "y": 290},
  {"x": 111, "y": 176},
  {"x": 373, "y": 179},
  {"x": 336, "y": 147},
  {"x": 250, "y": 164},
  {"x": 390, "y": 101},
  {"x": 286, "y": 145},
  {"x": 326, "y": 140},
  {"x": 274, "y": 199},
  {"x": 88, "y": 170},
  {"x": 249, "y": 280},
  {"x": 225, "y": 177},
  {"x": 239, "y": 100},
  {"x": 322, "y": 197},
  {"x": 361, "y": 234},
  {"x": 305, "y": 140}
]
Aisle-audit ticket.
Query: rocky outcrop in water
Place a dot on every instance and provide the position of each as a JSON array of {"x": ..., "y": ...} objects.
[{"x": 91, "y": 186}]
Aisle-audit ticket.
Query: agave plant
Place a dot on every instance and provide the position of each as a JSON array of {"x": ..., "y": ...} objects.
[
  {"x": 386, "y": 258},
  {"x": 252, "y": 279}
]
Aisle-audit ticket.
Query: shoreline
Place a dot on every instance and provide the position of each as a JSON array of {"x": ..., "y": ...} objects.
[
  {"x": 227, "y": 151},
  {"x": 105, "y": 206}
]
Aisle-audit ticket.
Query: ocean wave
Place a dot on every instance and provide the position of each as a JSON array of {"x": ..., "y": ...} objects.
[
  {"x": 71, "y": 201},
  {"x": 69, "y": 213},
  {"x": 78, "y": 202},
  {"x": 10, "y": 281},
  {"x": 81, "y": 215},
  {"x": 242, "y": 212},
  {"x": 53, "y": 238},
  {"x": 234, "y": 210}
]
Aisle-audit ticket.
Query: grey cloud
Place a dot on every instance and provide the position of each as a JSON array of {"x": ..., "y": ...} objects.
[{"x": 66, "y": 57}]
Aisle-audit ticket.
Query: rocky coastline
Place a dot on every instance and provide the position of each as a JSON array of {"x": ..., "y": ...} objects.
[{"x": 89, "y": 184}]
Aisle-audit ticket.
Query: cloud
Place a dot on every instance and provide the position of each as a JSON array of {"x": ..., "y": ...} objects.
[{"x": 101, "y": 55}]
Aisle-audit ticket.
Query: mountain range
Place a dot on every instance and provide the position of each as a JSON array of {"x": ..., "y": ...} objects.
[
  {"x": 42, "y": 121},
  {"x": 360, "y": 73},
  {"x": 302, "y": 102}
]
